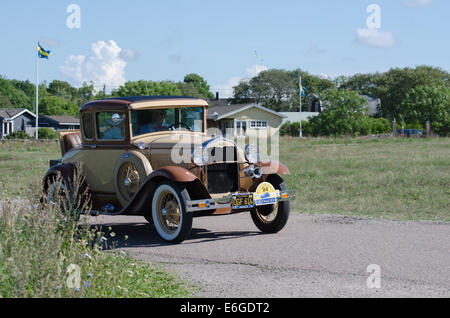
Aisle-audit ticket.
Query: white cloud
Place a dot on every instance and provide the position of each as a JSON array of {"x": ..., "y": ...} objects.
[
  {"x": 104, "y": 65},
  {"x": 226, "y": 90},
  {"x": 417, "y": 3},
  {"x": 376, "y": 38}
]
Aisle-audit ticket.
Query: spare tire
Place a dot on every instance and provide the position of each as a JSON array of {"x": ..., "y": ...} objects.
[{"x": 131, "y": 170}]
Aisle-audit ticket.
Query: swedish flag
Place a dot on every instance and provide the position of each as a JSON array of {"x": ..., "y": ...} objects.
[
  {"x": 302, "y": 89},
  {"x": 43, "y": 54}
]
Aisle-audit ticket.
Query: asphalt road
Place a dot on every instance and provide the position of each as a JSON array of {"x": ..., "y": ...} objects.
[{"x": 314, "y": 256}]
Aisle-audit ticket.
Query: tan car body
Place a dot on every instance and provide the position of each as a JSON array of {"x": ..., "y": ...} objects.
[{"x": 100, "y": 161}]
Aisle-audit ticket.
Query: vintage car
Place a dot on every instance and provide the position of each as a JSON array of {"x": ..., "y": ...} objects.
[{"x": 124, "y": 151}]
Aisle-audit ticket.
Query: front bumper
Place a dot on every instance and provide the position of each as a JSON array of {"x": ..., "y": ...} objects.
[{"x": 229, "y": 201}]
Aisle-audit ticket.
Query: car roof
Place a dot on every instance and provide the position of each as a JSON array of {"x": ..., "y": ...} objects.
[{"x": 143, "y": 102}]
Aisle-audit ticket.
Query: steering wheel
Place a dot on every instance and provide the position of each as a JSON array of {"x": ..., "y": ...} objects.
[{"x": 173, "y": 127}]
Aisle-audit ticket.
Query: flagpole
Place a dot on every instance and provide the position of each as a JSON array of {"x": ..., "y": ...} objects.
[
  {"x": 300, "y": 100},
  {"x": 37, "y": 92}
]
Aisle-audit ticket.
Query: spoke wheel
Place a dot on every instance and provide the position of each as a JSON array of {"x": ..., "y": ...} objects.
[
  {"x": 169, "y": 215},
  {"x": 60, "y": 200},
  {"x": 272, "y": 218},
  {"x": 128, "y": 180}
]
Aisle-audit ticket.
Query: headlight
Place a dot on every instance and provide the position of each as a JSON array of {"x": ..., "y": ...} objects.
[
  {"x": 200, "y": 156},
  {"x": 252, "y": 153},
  {"x": 141, "y": 145}
]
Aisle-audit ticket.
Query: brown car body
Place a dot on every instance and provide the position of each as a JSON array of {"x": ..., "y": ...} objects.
[{"x": 122, "y": 175}]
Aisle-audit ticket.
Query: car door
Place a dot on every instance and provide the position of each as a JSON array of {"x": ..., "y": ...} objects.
[{"x": 102, "y": 151}]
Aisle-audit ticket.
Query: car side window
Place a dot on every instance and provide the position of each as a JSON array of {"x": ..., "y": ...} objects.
[
  {"x": 88, "y": 126},
  {"x": 110, "y": 125}
]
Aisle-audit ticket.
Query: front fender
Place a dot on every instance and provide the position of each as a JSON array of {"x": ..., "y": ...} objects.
[{"x": 273, "y": 167}]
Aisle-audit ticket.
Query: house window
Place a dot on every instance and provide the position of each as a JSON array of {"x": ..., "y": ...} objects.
[
  {"x": 258, "y": 124},
  {"x": 241, "y": 127}
]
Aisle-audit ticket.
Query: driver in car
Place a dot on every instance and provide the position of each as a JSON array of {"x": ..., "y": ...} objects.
[{"x": 157, "y": 122}]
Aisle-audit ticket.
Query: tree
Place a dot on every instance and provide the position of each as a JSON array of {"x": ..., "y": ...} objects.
[
  {"x": 188, "y": 89},
  {"x": 53, "y": 105},
  {"x": 345, "y": 114},
  {"x": 200, "y": 84},
  {"x": 278, "y": 89},
  {"x": 362, "y": 83},
  {"x": 12, "y": 97},
  {"x": 62, "y": 89},
  {"x": 86, "y": 93},
  {"x": 147, "y": 88},
  {"x": 429, "y": 103},
  {"x": 393, "y": 86}
]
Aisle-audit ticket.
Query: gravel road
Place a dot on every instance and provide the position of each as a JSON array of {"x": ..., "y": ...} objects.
[{"x": 314, "y": 256}]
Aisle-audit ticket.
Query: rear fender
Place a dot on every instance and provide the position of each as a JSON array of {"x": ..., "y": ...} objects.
[{"x": 64, "y": 171}]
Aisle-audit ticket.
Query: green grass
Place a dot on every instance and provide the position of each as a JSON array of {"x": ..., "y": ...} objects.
[
  {"x": 400, "y": 179},
  {"x": 42, "y": 256},
  {"x": 22, "y": 165}
]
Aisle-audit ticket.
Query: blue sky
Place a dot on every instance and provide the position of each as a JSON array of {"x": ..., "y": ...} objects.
[{"x": 165, "y": 40}]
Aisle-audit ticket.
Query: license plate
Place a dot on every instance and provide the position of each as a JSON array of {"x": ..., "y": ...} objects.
[{"x": 242, "y": 201}]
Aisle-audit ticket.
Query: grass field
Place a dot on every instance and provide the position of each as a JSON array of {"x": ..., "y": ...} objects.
[{"x": 402, "y": 179}]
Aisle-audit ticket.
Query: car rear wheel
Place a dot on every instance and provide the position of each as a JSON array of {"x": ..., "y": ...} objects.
[
  {"x": 59, "y": 199},
  {"x": 272, "y": 218},
  {"x": 169, "y": 213}
]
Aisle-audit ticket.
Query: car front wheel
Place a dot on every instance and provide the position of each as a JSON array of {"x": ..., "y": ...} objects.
[
  {"x": 272, "y": 218},
  {"x": 169, "y": 214}
]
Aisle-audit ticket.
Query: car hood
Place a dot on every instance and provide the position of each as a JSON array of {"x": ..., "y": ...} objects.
[{"x": 187, "y": 142}]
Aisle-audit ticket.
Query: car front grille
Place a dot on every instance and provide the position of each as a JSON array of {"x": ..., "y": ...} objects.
[
  {"x": 222, "y": 177},
  {"x": 222, "y": 154}
]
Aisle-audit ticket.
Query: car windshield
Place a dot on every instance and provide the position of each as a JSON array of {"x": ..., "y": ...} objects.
[{"x": 154, "y": 120}]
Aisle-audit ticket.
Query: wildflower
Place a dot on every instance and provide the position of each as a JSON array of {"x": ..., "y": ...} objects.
[
  {"x": 86, "y": 284},
  {"x": 86, "y": 255},
  {"x": 58, "y": 287},
  {"x": 77, "y": 289},
  {"x": 126, "y": 237},
  {"x": 112, "y": 234},
  {"x": 90, "y": 274},
  {"x": 102, "y": 239}
]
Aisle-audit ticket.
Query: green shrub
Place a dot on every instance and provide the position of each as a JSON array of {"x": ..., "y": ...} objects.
[
  {"x": 293, "y": 129},
  {"x": 47, "y": 133},
  {"x": 18, "y": 135}
]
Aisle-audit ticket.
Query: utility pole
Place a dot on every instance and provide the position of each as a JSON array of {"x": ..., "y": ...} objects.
[
  {"x": 104, "y": 90},
  {"x": 300, "y": 102},
  {"x": 37, "y": 91}
]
